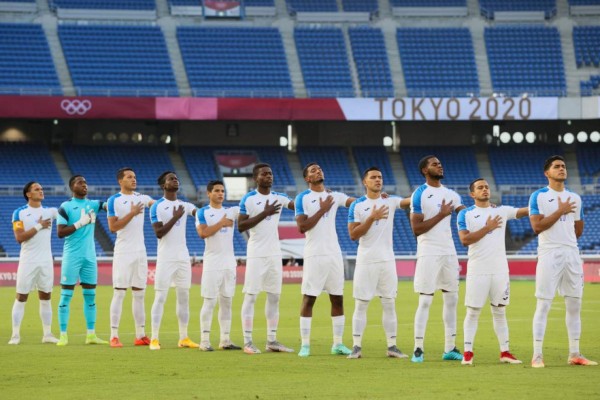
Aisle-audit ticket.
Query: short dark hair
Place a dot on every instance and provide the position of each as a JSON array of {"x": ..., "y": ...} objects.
[
  {"x": 472, "y": 184},
  {"x": 27, "y": 188},
  {"x": 121, "y": 172},
  {"x": 306, "y": 167},
  {"x": 73, "y": 180},
  {"x": 364, "y": 175},
  {"x": 550, "y": 160},
  {"x": 424, "y": 162},
  {"x": 162, "y": 178},
  {"x": 212, "y": 184},
  {"x": 257, "y": 167}
]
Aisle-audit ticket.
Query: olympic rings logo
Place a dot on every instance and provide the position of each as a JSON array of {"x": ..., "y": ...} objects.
[{"x": 78, "y": 107}]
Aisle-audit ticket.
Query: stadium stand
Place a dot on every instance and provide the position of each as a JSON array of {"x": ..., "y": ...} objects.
[
  {"x": 334, "y": 162},
  {"x": 235, "y": 62},
  {"x": 26, "y": 65},
  {"x": 519, "y": 229},
  {"x": 525, "y": 59},
  {"x": 520, "y": 165},
  {"x": 102, "y": 62},
  {"x": 275, "y": 156},
  {"x": 428, "y": 3},
  {"x": 372, "y": 65},
  {"x": 374, "y": 156},
  {"x": 587, "y": 51},
  {"x": 99, "y": 164},
  {"x": 324, "y": 62},
  {"x": 370, "y": 6},
  {"x": 200, "y": 163},
  {"x": 459, "y": 162},
  {"x": 588, "y": 163},
  {"x": 23, "y": 162},
  {"x": 438, "y": 62},
  {"x": 295, "y": 6},
  {"x": 104, "y": 4},
  {"x": 490, "y": 7}
]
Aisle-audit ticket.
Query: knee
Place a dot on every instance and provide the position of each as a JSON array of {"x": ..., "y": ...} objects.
[
  {"x": 425, "y": 301},
  {"x": 22, "y": 298}
]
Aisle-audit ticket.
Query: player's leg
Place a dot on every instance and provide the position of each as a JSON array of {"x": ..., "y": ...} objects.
[
  {"x": 272, "y": 281},
  {"x": 209, "y": 290},
  {"x": 255, "y": 268},
  {"x": 334, "y": 285},
  {"x": 476, "y": 294},
  {"x": 183, "y": 282},
  {"x": 121, "y": 276},
  {"x": 306, "y": 309},
  {"x": 499, "y": 299},
  {"x": 448, "y": 282},
  {"x": 25, "y": 283},
  {"x": 313, "y": 280},
  {"x": 69, "y": 273},
  {"x": 162, "y": 281},
  {"x": 427, "y": 268},
  {"x": 138, "y": 295},
  {"x": 363, "y": 290},
  {"x": 45, "y": 282},
  {"x": 227, "y": 290},
  {"x": 548, "y": 273},
  {"x": 387, "y": 290},
  {"x": 89, "y": 279}
]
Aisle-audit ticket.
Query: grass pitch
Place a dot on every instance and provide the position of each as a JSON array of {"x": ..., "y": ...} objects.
[{"x": 34, "y": 370}]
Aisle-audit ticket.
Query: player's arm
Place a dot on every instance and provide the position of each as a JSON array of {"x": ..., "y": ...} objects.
[
  {"x": 405, "y": 203},
  {"x": 116, "y": 224},
  {"x": 522, "y": 212},
  {"x": 468, "y": 238},
  {"x": 349, "y": 201},
  {"x": 460, "y": 208},
  {"x": 420, "y": 225},
  {"x": 22, "y": 235},
  {"x": 246, "y": 222},
  {"x": 63, "y": 230},
  {"x": 161, "y": 229},
  {"x": 306, "y": 223},
  {"x": 206, "y": 231},
  {"x": 541, "y": 222},
  {"x": 578, "y": 228}
]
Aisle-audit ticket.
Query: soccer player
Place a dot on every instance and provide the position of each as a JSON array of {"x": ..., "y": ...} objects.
[
  {"x": 130, "y": 265},
  {"x": 437, "y": 264},
  {"x": 259, "y": 214},
  {"x": 76, "y": 224},
  {"x": 32, "y": 226},
  {"x": 316, "y": 209},
  {"x": 371, "y": 222},
  {"x": 482, "y": 228},
  {"x": 173, "y": 264},
  {"x": 556, "y": 216},
  {"x": 214, "y": 224}
]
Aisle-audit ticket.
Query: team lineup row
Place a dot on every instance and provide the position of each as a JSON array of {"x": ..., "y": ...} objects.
[{"x": 555, "y": 213}]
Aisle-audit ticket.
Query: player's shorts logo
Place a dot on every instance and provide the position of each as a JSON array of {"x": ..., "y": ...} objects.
[{"x": 79, "y": 107}]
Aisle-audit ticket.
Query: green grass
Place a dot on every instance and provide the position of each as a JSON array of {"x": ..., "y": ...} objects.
[{"x": 34, "y": 370}]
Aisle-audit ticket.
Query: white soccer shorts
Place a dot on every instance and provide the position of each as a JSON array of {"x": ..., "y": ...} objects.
[
  {"x": 375, "y": 279},
  {"x": 263, "y": 274},
  {"x": 130, "y": 270},
  {"x": 480, "y": 288},
  {"x": 172, "y": 273},
  {"x": 559, "y": 269},
  {"x": 323, "y": 274},
  {"x": 35, "y": 276},
  {"x": 218, "y": 283},
  {"x": 436, "y": 273}
]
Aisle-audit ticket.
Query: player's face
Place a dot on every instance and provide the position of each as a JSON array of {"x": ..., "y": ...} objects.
[
  {"x": 128, "y": 182},
  {"x": 36, "y": 192},
  {"x": 264, "y": 178},
  {"x": 315, "y": 175},
  {"x": 373, "y": 181},
  {"x": 171, "y": 183},
  {"x": 481, "y": 191},
  {"x": 217, "y": 194},
  {"x": 434, "y": 169},
  {"x": 557, "y": 171},
  {"x": 80, "y": 187}
]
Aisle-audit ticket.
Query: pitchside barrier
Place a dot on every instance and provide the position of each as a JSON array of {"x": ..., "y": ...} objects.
[{"x": 521, "y": 268}]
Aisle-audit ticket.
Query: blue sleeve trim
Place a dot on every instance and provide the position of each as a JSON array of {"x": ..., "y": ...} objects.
[
  {"x": 416, "y": 200},
  {"x": 299, "y": 208},
  {"x": 200, "y": 215},
  {"x": 243, "y": 202}
]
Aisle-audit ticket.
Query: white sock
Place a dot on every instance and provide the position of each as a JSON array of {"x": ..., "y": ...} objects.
[
  {"x": 359, "y": 321},
  {"x": 449, "y": 315},
  {"x": 116, "y": 309},
  {"x": 272, "y": 314},
  {"x": 500, "y": 326},
  {"x": 470, "y": 327},
  {"x": 540, "y": 318},
  {"x": 46, "y": 316},
  {"x": 206, "y": 317},
  {"x": 183, "y": 311},
  {"x": 305, "y": 323},
  {"x": 389, "y": 320},
  {"x": 225, "y": 318},
  {"x": 248, "y": 316},
  {"x": 18, "y": 311},
  {"x": 573, "y": 321},
  {"x": 139, "y": 312},
  {"x": 421, "y": 317},
  {"x": 158, "y": 308},
  {"x": 338, "y": 322}
]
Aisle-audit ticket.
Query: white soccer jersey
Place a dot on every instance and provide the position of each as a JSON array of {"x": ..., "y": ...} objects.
[
  {"x": 173, "y": 245},
  {"x": 36, "y": 250},
  {"x": 130, "y": 239},
  {"x": 377, "y": 244},
  {"x": 264, "y": 236},
  {"x": 218, "y": 250},
  {"x": 488, "y": 255},
  {"x": 562, "y": 233},
  {"x": 322, "y": 238},
  {"x": 427, "y": 200}
]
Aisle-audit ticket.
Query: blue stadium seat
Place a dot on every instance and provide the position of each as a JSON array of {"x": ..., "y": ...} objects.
[
  {"x": 488, "y": 7},
  {"x": 428, "y": 3},
  {"x": 311, "y": 6},
  {"x": 26, "y": 65},
  {"x": 438, "y": 62},
  {"x": 24, "y": 162},
  {"x": 333, "y": 161},
  {"x": 235, "y": 62},
  {"x": 374, "y": 156},
  {"x": 587, "y": 51},
  {"x": 142, "y": 5},
  {"x": 372, "y": 65},
  {"x": 370, "y": 6},
  {"x": 520, "y": 165},
  {"x": 588, "y": 163}
]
